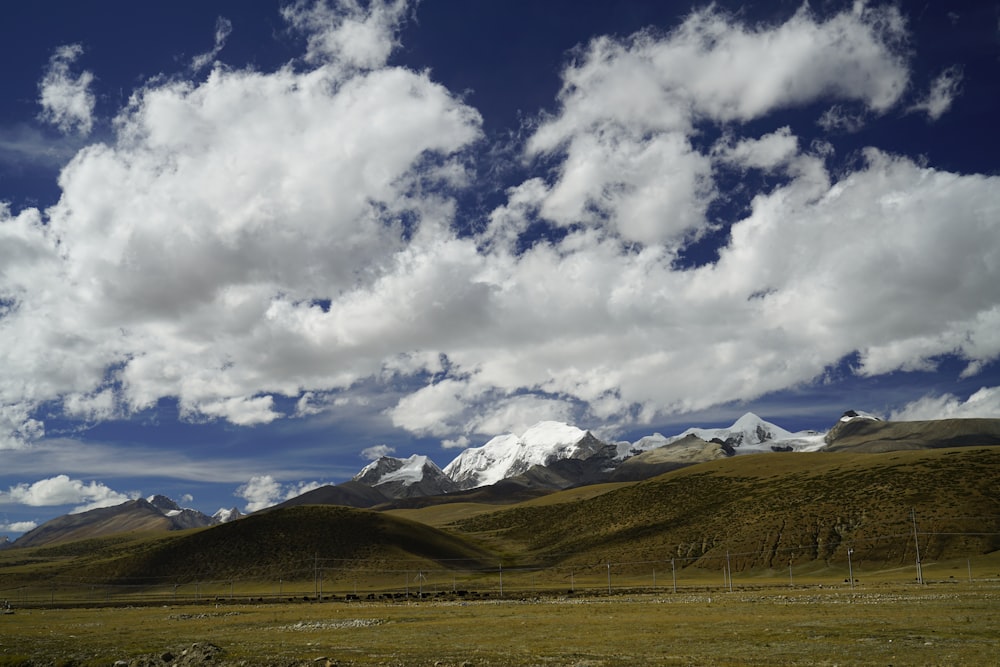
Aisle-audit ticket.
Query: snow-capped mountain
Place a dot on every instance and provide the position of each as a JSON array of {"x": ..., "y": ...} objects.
[
  {"x": 406, "y": 478},
  {"x": 180, "y": 516},
  {"x": 224, "y": 515},
  {"x": 748, "y": 434},
  {"x": 551, "y": 443},
  {"x": 510, "y": 455}
]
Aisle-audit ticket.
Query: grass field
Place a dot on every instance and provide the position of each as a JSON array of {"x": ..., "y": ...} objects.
[
  {"x": 884, "y": 620},
  {"x": 899, "y": 626}
]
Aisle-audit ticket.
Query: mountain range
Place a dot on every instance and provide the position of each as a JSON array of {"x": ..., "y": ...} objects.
[{"x": 547, "y": 457}]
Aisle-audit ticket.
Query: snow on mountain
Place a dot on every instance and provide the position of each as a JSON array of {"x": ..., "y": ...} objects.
[
  {"x": 851, "y": 415},
  {"x": 403, "y": 478},
  {"x": 183, "y": 517},
  {"x": 748, "y": 434},
  {"x": 224, "y": 515},
  {"x": 510, "y": 455}
]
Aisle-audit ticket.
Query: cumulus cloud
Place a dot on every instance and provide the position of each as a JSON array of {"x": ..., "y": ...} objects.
[
  {"x": 18, "y": 526},
  {"x": 263, "y": 491},
  {"x": 66, "y": 100},
  {"x": 348, "y": 32},
  {"x": 62, "y": 490},
  {"x": 984, "y": 403},
  {"x": 376, "y": 452},
  {"x": 943, "y": 91},
  {"x": 187, "y": 258},
  {"x": 290, "y": 234},
  {"x": 629, "y": 108},
  {"x": 767, "y": 152}
]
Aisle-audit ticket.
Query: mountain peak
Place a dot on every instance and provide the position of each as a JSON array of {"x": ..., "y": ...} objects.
[
  {"x": 401, "y": 478},
  {"x": 748, "y": 419},
  {"x": 163, "y": 503},
  {"x": 510, "y": 455}
]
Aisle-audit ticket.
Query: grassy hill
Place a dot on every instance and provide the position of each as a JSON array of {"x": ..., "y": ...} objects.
[
  {"x": 764, "y": 511},
  {"x": 284, "y": 543},
  {"x": 769, "y": 510}
]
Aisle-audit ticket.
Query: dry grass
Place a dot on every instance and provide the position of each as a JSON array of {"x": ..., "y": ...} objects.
[{"x": 946, "y": 624}]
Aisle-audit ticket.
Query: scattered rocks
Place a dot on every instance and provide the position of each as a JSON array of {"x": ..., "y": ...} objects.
[
  {"x": 332, "y": 625},
  {"x": 195, "y": 654}
]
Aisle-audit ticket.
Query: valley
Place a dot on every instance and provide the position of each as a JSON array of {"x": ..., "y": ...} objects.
[{"x": 769, "y": 557}]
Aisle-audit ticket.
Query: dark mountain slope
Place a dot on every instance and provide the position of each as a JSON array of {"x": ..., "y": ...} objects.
[
  {"x": 285, "y": 543},
  {"x": 348, "y": 494}
]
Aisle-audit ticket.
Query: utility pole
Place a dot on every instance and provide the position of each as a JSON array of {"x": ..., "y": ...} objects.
[
  {"x": 673, "y": 572},
  {"x": 916, "y": 542},
  {"x": 729, "y": 572},
  {"x": 850, "y": 566},
  {"x": 501, "y": 578}
]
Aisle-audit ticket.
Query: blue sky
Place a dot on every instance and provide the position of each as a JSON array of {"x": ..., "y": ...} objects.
[{"x": 244, "y": 247}]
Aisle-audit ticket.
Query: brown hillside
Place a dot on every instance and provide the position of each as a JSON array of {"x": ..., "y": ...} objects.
[
  {"x": 768, "y": 510},
  {"x": 134, "y": 515},
  {"x": 864, "y": 435}
]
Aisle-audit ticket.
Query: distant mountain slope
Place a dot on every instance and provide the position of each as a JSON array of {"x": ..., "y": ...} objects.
[
  {"x": 865, "y": 434},
  {"x": 767, "y": 510},
  {"x": 676, "y": 454},
  {"x": 156, "y": 513},
  {"x": 347, "y": 494},
  {"x": 134, "y": 515}
]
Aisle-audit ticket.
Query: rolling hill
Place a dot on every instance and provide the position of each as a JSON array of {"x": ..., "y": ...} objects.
[
  {"x": 283, "y": 543},
  {"x": 768, "y": 510}
]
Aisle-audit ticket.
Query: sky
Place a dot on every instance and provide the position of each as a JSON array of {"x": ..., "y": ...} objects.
[{"x": 246, "y": 247}]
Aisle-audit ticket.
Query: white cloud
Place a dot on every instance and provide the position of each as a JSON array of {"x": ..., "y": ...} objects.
[
  {"x": 461, "y": 442},
  {"x": 61, "y": 490},
  {"x": 943, "y": 91},
  {"x": 67, "y": 101},
  {"x": 347, "y": 32},
  {"x": 291, "y": 233},
  {"x": 518, "y": 413},
  {"x": 436, "y": 409},
  {"x": 188, "y": 255},
  {"x": 768, "y": 152},
  {"x": 376, "y": 452},
  {"x": 18, "y": 526},
  {"x": 985, "y": 403},
  {"x": 223, "y": 28},
  {"x": 263, "y": 491},
  {"x": 628, "y": 109}
]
